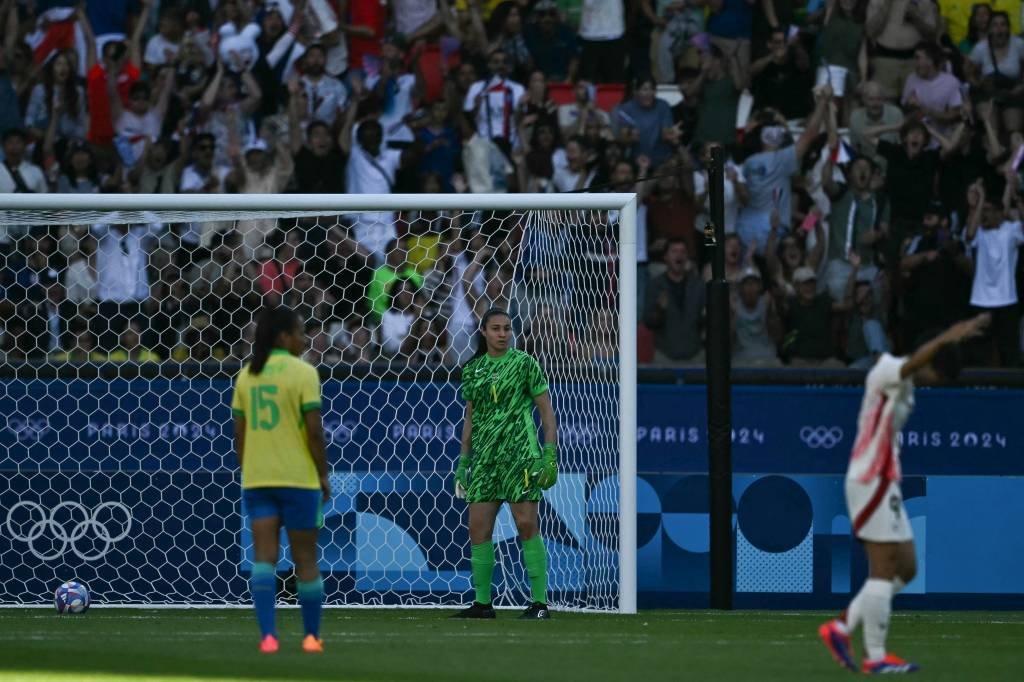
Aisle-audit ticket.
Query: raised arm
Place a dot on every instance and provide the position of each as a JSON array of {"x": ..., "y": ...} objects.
[
  {"x": 961, "y": 331},
  {"x": 974, "y": 221},
  {"x": 135, "y": 41},
  {"x": 813, "y": 124},
  {"x": 253, "y": 94},
  {"x": 210, "y": 94}
]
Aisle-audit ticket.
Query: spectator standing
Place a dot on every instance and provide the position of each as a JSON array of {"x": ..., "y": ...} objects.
[
  {"x": 552, "y": 45},
  {"x": 140, "y": 123},
  {"x": 865, "y": 336},
  {"x": 931, "y": 93},
  {"x": 506, "y": 30},
  {"x": 717, "y": 89},
  {"x": 119, "y": 61},
  {"x": 996, "y": 69},
  {"x": 122, "y": 260},
  {"x": 163, "y": 47},
  {"x": 325, "y": 95},
  {"x": 372, "y": 169},
  {"x": 442, "y": 146},
  {"x": 858, "y": 222},
  {"x": 18, "y": 175},
  {"x": 756, "y": 326},
  {"x": 673, "y": 308},
  {"x": 59, "y": 91},
  {"x": 897, "y": 27},
  {"x": 877, "y": 119},
  {"x": 574, "y": 116},
  {"x": 257, "y": 172},
  {"x": 729, "y": 24},
  {"x": 602, "y": 41},
  {"x": 492, "y": 103},
  {"x": 936, "y": 278},
  {"x": 645, "y": 125},
  {"x": 279, "y": 51},
  {"x": 782, "y": 79},
  {"x": 996, "y": 243},
  {"x": 808, "y": 318},
  {"x": 909, "y": 183},
  {"x": 768, "y": 175}
]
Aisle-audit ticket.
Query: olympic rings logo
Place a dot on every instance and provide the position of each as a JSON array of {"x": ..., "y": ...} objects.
[
  {"x": 823, "y": 437},
  {"x": 42, "y": 523}
]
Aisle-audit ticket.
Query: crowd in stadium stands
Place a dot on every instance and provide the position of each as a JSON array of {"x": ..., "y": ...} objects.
[{"x": 871, "y": 193}]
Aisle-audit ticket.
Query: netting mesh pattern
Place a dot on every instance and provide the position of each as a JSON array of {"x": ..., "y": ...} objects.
[{"x": 121, "y": 340}]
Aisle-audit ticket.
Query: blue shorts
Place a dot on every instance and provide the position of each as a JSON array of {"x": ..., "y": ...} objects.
[{"x": 298, "y": 508}]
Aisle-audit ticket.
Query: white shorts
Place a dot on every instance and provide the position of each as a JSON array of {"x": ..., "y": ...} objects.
[{"x": 876, "y": 511}]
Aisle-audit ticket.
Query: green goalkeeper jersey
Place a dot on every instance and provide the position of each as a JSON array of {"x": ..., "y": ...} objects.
[{"x": 504, "y": 435}]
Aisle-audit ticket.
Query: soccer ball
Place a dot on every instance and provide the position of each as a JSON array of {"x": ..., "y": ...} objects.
[{"x": 71, "y": 597}]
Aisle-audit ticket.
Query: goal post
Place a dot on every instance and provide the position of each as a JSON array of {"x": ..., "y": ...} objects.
[{"x": 71, "y": 508}]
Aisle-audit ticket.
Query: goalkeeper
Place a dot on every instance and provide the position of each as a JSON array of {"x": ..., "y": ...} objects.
[{"x": 501, "y": 460}]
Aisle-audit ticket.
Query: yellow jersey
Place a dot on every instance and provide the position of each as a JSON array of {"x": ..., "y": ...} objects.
[{"x": 273, "y": 404}]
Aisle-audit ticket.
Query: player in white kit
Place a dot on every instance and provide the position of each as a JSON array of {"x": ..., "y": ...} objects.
[{"x": 874, "y": 499}]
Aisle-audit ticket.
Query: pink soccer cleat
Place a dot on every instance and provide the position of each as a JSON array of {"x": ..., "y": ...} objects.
[
  {"x": 269, "y": 645},
  {"x": 890, "y": 665},
  {"x": 837, "y": 641}
]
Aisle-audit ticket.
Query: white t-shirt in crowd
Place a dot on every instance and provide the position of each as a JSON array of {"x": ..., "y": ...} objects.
[
  {"x": 326, "y": 96},
  {"x": 159, "y": 50},
  {"x": 121, "y": 259},
  {"x": 602, "y": 20},
  {"x": 564, "y": 178},
  {"x": 397, "y": 105},
  {"x": 888, "y": 402},
  {"x": 135, "y": 130},
  {"x": 498, "y": 101},
  {"x": 732, "y": 204},
  {"x": 1008, "y": 66},
  {"x": 394, "y": 328},
  {"x": 995, "y": 262},
  {"x": 31, "y": 174},
  {"x": 365, "y": 174},
  {"x": 325, "y": 18}
]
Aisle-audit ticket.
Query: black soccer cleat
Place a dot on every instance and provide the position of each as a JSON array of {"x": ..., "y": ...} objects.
[
  {"x": 476, "y": 610},
  {"x": 536, "y": 611}
]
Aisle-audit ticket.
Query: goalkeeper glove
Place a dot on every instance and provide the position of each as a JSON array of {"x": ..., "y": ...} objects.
[
  {"x": 462, "y": 475},
  {"x": 545, "y": 468}
]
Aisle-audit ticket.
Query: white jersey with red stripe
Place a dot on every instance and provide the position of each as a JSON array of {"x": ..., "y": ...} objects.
[{"x": 888, "y": 402}]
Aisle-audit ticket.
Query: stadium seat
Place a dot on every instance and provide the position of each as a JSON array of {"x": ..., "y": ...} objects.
[
  {"x": 560, "y": 93},
  {"x": 609, "y": 95}
]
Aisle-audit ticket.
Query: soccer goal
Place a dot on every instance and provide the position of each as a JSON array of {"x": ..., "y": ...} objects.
[{"x": 126, "y": 318}]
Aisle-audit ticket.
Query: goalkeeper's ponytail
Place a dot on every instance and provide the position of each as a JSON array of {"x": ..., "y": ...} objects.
[
  {"x": 272, "y": 321},
  {"x": 481, "y": 340}
]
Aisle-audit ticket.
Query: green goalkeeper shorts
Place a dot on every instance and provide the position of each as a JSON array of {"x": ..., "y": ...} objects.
[{"x": 493, "y": 480}]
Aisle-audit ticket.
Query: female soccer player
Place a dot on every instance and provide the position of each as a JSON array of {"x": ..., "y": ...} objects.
[
  {"x": 873, "y": 497},
  {"x": 501, "y": 460},
  {"x": 280, "y": 441}
]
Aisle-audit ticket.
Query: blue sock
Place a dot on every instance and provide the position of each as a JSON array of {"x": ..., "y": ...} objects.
[
  {"x": 261, "y": 584},
  {"x": 311, "y": 600}
]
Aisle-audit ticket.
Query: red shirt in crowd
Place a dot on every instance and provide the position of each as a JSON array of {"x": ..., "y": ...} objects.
[
  {"x": 101, "y": 126},
  {"x": 368, "y": 13}
]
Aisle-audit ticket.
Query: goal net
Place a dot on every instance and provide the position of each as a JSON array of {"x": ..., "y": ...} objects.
[{"x": 127, "y": 318}]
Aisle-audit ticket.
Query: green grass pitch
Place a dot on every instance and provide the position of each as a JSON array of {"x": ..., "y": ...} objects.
[{"x": 423, "y": 645}]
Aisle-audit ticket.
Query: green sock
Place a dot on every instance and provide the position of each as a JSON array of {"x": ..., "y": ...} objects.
[
  {"x": 536, "y": 560},
  {"x": 481, "y": 558}
]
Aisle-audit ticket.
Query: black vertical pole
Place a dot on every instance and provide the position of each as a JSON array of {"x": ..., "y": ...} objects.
[{"x": 719, "y": 408}]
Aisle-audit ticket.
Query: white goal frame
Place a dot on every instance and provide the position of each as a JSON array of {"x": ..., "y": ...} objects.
[{"x": 625, "y": 203}]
